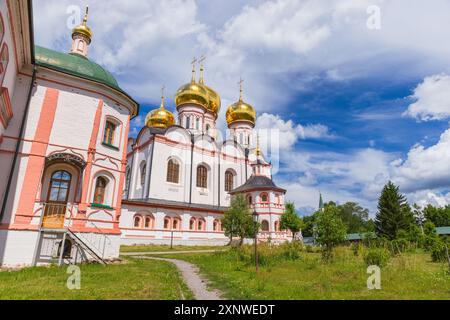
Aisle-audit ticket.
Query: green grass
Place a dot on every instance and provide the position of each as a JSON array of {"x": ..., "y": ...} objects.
[
  {"x": 409, "y": 276},
  {"x": 163, "y": 248},
  {"x": 134, "y": 279}
]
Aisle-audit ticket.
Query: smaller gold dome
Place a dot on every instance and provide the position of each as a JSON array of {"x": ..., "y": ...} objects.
[
  {"x": 160, "y": 118},
  {"x": 83, "y": 28},
  {"x": 241, "y": 111}
]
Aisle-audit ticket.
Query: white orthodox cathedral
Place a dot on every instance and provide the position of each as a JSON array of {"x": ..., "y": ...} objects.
[{"x": 75, "y": 187}]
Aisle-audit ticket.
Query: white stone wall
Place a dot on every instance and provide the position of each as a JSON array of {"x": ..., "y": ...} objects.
[
  {"x": 159, "y": 235},
  {"x": 17, "y": 248}
]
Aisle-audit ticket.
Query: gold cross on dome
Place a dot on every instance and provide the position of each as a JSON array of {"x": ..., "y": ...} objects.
[
  {"x": 241, "y": 88},
  {"x": 194, "y": 62},
  {"x": 200, "y": 61},
  {"x": 162, "y": 95}
]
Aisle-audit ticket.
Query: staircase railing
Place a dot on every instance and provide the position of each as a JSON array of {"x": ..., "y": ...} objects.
[{"x": 85, "y": 247}]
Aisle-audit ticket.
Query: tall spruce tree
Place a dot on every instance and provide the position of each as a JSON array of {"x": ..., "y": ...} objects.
[{"x": 394, "y": 213}]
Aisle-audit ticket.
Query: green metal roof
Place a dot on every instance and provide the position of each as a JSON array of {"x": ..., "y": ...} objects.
[
  {"x": 78, "y": 66},
  {"x": 443, "y": 230}
]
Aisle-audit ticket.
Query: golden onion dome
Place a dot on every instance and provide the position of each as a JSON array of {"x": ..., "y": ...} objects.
[
  {"x": 160, "y": 118},
  {"x": 198, "y": 93},
  {"x": 192, "y": 93},
  {"x": 214, "y": 102},
  {"x": 241, "y": 111},
  {"x": 83, "y": 28}
]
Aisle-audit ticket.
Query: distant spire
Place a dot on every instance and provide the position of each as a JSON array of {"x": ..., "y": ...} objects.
[
  {"x": 202, "y": 59},
  {"x": 321, "y": 205},
  {"x": 194, "y": 62}
]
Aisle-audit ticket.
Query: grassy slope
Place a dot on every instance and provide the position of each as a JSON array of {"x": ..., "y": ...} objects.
[
  {"x": 411, "y": 276},
  {"x": 162, "y": 248},
  {"x": 146, "y": 279}
]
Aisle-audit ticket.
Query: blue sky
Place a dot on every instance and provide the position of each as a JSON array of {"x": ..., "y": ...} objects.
[{"x": 354, "y": 105}]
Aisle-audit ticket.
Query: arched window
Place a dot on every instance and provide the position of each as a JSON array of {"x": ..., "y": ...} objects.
[
  {"x": 100, "y": 189},
  {"x": 201, "y": 224},
  {"x": 249, "y": 199},
  {"x": 192, "y": 224},
  {"x": 265, "y": 225},
  {"x": 148, "y": 222},
  {"x": 167, "y": 223},
  {"x": 2, "y": 28},
  {"x": 217, "y": 225},
  {"x": 277, "y": 226},
  {"x": 188, "y": 122},
  {"x": 59, "y": 187},
  {"x": 137, "y": 221},
  {"x": 175, "y": 224},
  {"x": 173, "y": 171},
  {"x": 229, "y": 180},
  {"x": 264, "y": 198},
  {"x": 110, "y": 131},
  {"x": 4, "y": 61},
  {"x": 197, "y": 123},
  {"x": 143, "y": 172},
  {"x": 127, "y": 178},
  {"x": 207, "y": 128},
  {"x": 202, "y": 177}
]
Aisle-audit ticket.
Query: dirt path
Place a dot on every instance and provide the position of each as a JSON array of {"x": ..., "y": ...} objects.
[{"x": 191, "y": 275}]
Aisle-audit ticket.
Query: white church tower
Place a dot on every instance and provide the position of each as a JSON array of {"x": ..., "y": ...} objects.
[
  {"x": 81, "y": 37},
  {"x": 241, "y": 118}
]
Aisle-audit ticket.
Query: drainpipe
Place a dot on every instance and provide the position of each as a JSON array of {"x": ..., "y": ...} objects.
[
  {"x": 192, "y": 164},
  {"x": 246, "y": 163},
  {"x": 151, "y": 166},
  {"x": 16, "y": 153},
  {"x": 219, "y": 181},
  {"x": 131, "y": 172}
]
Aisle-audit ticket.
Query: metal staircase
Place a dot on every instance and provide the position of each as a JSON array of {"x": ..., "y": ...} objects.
[{"x": 61, "y": 245}]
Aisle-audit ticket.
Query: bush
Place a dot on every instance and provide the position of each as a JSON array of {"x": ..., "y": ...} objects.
[
  {"x": 378, "y": 256},
  {"x": 291, "y": 251},
  {"x": 357, "y": 249},
  {"x": 439, "y": 251}
]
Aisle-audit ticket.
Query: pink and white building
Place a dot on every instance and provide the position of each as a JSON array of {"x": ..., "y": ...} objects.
[{"x": 75, "y": 187}]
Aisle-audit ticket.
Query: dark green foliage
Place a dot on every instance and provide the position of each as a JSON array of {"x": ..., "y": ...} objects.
[
  {"x": 290, "y": 220},
  {"x": 237, "y": 220},
  {"x": 330, "y": 230},
  {"x": 291, "y": 250},
  {"x": 308, "y": 225},
  {"x": 355, "y": 218},
  {"x": 430, "y": 236},
  {"x": 377, "y": 256},
  {"x": 439, "y": 251},
  {"x": 394, "y": 213},
  {"x": 439, "y": 216}
]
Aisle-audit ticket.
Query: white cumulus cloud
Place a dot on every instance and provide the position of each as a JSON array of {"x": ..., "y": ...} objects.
[{"x": 432, "y": 99}]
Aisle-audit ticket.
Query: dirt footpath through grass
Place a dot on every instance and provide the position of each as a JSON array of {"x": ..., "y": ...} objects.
[{"x": 192, "y": 278}]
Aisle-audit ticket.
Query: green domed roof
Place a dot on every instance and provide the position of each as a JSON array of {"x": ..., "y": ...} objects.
[
  {"x": 78, "y": 66},
  {"x": 75, "y": 65}
]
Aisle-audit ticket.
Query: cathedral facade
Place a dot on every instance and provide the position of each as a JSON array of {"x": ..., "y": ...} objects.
[{"x": 74, "y": 186}]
